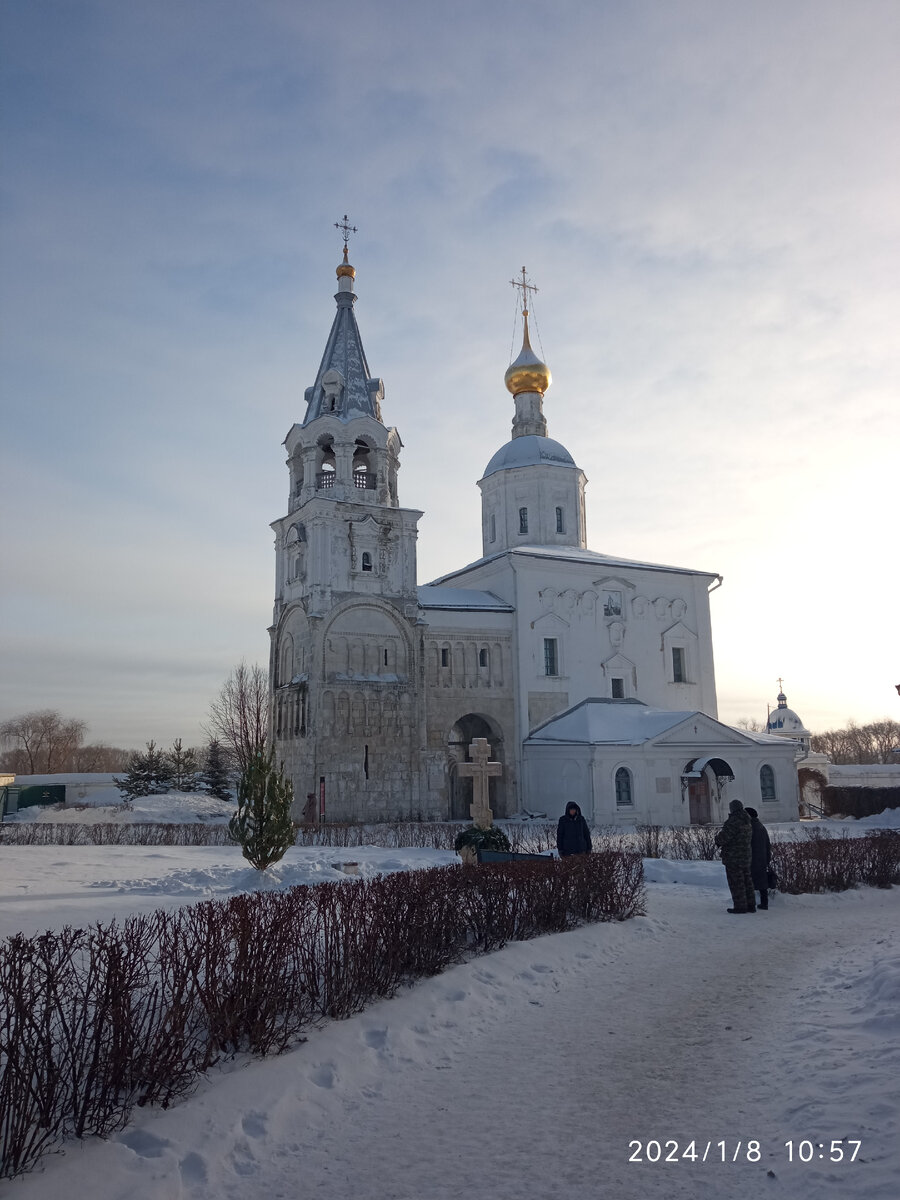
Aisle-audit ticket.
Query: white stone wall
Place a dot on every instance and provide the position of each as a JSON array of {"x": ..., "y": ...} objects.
[{"x": 554, "y": 775}]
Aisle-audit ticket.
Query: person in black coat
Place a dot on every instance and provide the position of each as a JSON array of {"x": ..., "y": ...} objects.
[
  {"x": 761, "y": 856},
  {"x": 572, "y": 833}
]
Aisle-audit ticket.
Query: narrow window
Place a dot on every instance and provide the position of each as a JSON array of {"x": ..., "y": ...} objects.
[
  {"x": 366, "y": 763},
  {"x": 493, "y": 527},
  {"x": 445, "y": 657},
  {"x": 623, "y": 788},
  {"x": 366, "y": 561},
  {"x": 551, "y": 659},
  {"x": 482, "y": 658},
  {"x": 560, "y": 521},
  {"x": 385, "y": 658},
  {"x": 618, "y": 689},
  {"x": 523, "y": 520},
  {"x": 679, "y": 675},
  {"x": 767, "y": 784}
]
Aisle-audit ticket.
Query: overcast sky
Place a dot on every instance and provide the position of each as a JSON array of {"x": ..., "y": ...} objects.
[{"x": 706, "y": 193}]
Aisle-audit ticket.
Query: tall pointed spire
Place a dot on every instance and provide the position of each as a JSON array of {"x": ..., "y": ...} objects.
[{"x": 343, "y": 386}]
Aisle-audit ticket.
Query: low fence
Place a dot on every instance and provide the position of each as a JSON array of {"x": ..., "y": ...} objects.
[{"x": 96, "y": 1021}]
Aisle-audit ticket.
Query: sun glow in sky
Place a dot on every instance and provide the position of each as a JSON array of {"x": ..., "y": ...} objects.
[{"x": 706, "y": 194}]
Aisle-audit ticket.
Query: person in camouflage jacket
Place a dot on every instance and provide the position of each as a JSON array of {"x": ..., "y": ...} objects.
[{"x": 734, "y": 840}]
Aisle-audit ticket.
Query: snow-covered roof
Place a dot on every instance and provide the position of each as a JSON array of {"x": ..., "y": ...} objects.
[
  {"x": 461, "y": 599},
  {"x": 600, "y": 720},
  {"x": 529, "y": 451},
  {"x": 574, "y": 554}
]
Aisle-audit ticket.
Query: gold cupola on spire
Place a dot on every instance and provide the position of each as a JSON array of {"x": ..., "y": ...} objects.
[
  {"x": 345, "y": 268},
  {"x": 527, "y": 373}
]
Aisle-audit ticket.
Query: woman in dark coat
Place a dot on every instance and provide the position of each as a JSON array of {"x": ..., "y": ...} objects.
[
  {"x": 761, "y": 856},
  {"x": 572, "y": 833}
]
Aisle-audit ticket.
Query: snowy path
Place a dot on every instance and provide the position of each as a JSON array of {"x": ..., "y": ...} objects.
[{"x": 525, "y": 1074}]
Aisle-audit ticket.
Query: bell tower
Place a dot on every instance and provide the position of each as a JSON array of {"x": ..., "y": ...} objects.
[{"x": 343, "y": 674}]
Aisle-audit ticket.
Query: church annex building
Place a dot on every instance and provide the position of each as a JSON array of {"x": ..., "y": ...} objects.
[{"x": 591, "y": 677}]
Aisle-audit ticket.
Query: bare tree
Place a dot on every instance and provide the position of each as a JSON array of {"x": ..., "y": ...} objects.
[
  {"x": 239, "y": 715},
  {"x": 751, "y": 725},
  {"x": 872, "y": 743},
  {"x": 41, "y": 743},
  {"x": 100, "y": 757}
]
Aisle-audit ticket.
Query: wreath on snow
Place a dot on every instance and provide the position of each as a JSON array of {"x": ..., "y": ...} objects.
[{"x": 482, "y": 839}]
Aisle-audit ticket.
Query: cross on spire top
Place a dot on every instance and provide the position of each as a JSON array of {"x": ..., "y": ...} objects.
[
  {"x": 346, "y": 229},
  {"x": 525, "y": 287},
  {"x": 780, "y": 684}
]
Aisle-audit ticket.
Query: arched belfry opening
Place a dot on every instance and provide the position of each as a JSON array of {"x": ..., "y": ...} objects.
[{"x": 463, "y": 732}]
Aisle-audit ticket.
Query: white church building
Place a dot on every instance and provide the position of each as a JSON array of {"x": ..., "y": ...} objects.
[{"x": 591, "y": 676}]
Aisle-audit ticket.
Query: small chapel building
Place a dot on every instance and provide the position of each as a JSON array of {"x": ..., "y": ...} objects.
[{"x": 591, "y": 676}]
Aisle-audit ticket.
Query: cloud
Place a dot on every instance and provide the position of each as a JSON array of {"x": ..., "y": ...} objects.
[{"x": 705, "y": 196}]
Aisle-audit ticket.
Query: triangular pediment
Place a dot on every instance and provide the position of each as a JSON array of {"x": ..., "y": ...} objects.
[
  {"x": 617, "y": 662},
  {"x": 549, "y": 621},
  {"x": 697, "y": 729},
  {"x": 679, "y": 630},
  {"x": 613, "y": 581}
]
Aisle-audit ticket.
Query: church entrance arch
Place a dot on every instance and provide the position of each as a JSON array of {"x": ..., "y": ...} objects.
[
  {"x": 464, "y": 731},
  {"x": 699, "y": 775}
]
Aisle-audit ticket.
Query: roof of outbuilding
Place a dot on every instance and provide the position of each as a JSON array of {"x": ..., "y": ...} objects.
[{"x": 600, "y": 720}]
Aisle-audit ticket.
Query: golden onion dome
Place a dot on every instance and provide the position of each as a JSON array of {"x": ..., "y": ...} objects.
[
  {"x": 527, "y": 373},
  {"x": 345, "y": 268}
]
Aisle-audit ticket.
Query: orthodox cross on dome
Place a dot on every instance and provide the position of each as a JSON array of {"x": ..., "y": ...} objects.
[
  {"x": 525, "y": 288},
  {"x": 480, "y": 770},
  {"x": 347, "y": 229},
  {"x": 780, "y": 684}
]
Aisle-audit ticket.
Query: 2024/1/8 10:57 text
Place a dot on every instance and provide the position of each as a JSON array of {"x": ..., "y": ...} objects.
[{"x": 803, "y": 1151}]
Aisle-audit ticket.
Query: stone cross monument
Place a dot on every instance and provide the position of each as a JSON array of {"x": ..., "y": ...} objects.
[{"x": 480, "y": 770}]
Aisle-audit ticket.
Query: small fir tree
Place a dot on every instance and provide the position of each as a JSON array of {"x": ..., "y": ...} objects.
[
  {"x": 185, "y": 770},
  {"x": 149, "y": 773},
  {"x": 262, "y": 825},
  {"x": 215, "y": 779}
]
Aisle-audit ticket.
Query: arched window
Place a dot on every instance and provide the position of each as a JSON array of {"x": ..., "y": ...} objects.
[
  {"x": 482, "y": 658},
  {"x": 523, "y": 520},
  {"x": 366, "y": 561},
  {"x": 624, "y": 795},
  {"x": 560, "y": 521},
  {"x": 767, "y": 784}
]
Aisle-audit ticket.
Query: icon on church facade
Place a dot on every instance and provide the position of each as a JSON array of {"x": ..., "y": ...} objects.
[{"x": 612, "y": 604}]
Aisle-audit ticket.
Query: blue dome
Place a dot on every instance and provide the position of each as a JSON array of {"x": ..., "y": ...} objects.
[{"x": 529, "y": 451}]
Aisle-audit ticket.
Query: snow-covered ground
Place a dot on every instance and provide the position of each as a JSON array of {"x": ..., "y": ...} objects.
[{"x": 531, "y": 1072}]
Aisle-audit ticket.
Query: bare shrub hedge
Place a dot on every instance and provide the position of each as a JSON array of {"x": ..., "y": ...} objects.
[
  {"x": 859, "y": 801},
  {"x": 821, "y": 863},
  {"x": 95, "y": 1021}
]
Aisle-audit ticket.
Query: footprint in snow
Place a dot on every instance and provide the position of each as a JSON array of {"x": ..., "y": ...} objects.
[
  {"x": 324, "y": 1076},
  {"x": 143, "y": 1144},
  {"x": 254, "y": 1124},
  {"x": 193, "y": 1169},
  {"x": 376, "y": 1038}
]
